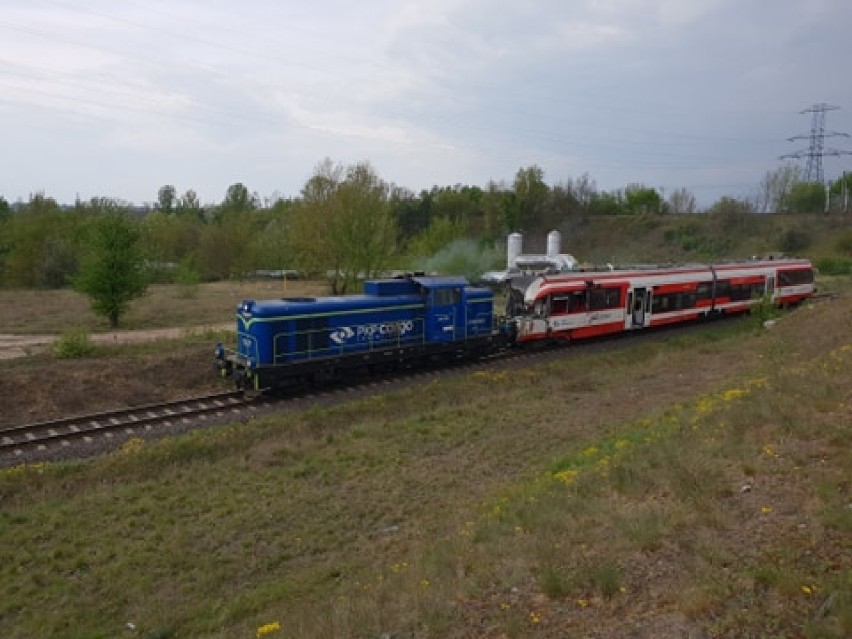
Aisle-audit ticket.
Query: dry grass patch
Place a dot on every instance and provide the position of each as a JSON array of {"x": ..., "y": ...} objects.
[{"x": 164, "y": 306}]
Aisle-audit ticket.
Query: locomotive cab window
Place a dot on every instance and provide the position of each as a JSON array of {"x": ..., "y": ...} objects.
[{"x": 446, "y": 296}]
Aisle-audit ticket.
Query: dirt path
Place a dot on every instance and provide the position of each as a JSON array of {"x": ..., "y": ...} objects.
[{"x": 15, "y": 346}]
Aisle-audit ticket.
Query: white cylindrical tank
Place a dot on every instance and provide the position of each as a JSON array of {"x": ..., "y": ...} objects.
[
  {"x": 554, "y": 243},
  {"x": 514, "y": 246}
]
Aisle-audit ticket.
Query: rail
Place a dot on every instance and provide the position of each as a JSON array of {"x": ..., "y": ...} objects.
[{"x": 18, "y": 440}]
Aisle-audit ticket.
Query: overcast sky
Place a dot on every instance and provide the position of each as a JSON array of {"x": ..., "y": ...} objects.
[{"x": 117, "y": 98}]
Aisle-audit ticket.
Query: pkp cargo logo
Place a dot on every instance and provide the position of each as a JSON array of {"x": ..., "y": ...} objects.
[
  {"x": 371, "y": 332},
  {"x": 342, "y": 335}
]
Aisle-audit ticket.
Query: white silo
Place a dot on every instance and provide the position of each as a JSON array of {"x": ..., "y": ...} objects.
[
  {"x": 554, "y": 243},
  {"x": 514, "y": 247}
]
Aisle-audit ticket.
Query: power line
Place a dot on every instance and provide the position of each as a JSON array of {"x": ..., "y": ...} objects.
[{"x": 816, "y": 151}]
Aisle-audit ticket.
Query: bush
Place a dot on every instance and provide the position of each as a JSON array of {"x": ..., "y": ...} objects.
[
  {"x": 834, "y": 266},
  {"x": 843, "y": 244},
  {"x": 188, "y": 278},
  {"x": 764, "y": 309},
  {"x": 73, "y": 344},
  {"x": 794, "y": 241}
]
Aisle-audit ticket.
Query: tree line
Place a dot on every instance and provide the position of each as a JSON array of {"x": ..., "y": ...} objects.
[{"x": 346, "y": 223}]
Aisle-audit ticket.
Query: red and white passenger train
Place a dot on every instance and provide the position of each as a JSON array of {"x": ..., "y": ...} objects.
[{"x": 580, "y": 304}]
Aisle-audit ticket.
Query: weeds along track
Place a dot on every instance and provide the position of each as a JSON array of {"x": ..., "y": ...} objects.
[{"x": 70, "y": 436}]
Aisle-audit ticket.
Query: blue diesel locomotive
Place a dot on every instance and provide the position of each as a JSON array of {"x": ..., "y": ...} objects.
[{"x": 395, "y": 322}]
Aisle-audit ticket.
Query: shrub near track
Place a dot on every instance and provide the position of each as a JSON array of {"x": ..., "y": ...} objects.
[{"x": 694, "y": 486}]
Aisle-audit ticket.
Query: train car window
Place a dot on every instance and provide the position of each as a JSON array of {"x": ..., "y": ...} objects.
[
  {"x": 723, "y": 288},
  {"x": 559, "y": 305},
  {"x": 673, "y": 302},
  {"x": 740, "y": 292},
  {"x": 796, "y": 277},
  {"x": 704, "y": 291},
  {"x": 601, "y": 298}
]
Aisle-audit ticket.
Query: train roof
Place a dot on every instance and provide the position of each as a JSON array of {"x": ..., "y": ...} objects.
[
  {"x": 662, "y": 273},
  {"x": 378, "y": 294},
  {"x": 315, "y": 305}
]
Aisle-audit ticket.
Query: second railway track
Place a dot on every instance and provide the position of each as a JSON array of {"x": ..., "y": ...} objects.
[{"x": 17, "y": 441}]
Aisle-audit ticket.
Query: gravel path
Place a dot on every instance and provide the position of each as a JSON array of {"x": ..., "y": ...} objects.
[{"x": 15, "y": 346}]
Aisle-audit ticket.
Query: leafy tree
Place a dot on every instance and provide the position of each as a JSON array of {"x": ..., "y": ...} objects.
[
  {"x": 531, "y": 193},
  {"x": 166, "y": 197},
  {"x": 642, "y": 199},
  {"x": 441, "y": 232},
  {"x": 223, "y": 247},
  {"x": 111, "y": 273},
  {"x": 806, "y": 197},
  {"x": 726, "y": 205},
  {"x": 410, "y": 212},
  {"x": 344, "y": 225},
  {"x": 166, "y": 240},
  {"x": 41, "y": 244},
  {"x": 189, "y": 206},
  {"x": 605, "y": 203},
  {"x": 238, "y": 200}
]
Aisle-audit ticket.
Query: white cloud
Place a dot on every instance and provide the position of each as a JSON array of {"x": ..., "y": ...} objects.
[{"x": 441, "y": 91}]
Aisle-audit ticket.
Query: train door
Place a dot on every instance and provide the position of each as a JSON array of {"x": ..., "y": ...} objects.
[
  {"x": 443, "y": 314},
  {"x": 640, "y": 307},
  {"x": 770, "y": 286}
]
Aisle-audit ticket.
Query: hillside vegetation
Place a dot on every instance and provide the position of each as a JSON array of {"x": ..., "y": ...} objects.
[{"x": 692, "y": 486}]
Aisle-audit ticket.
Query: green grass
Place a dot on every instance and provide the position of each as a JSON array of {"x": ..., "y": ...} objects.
[{"x": 609, "y": 498}]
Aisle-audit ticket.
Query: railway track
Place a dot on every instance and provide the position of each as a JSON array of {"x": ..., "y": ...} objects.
[
  {"x": 18, "y": 441},
  {"x": 50, "y": 439}
]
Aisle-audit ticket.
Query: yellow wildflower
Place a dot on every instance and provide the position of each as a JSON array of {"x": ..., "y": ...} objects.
[
  {"x": 268, "y": 628},
  {"x": 567, "y": 477},
  {"x": 535, "y": 617},
  {"x": 732, "y": 394}
]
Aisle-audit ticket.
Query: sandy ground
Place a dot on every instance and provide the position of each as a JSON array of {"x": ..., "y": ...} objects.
[{"x": 15, "y": 346}]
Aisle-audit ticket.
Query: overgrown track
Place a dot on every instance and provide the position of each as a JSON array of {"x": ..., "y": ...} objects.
[{"x": 18, "y": 441}]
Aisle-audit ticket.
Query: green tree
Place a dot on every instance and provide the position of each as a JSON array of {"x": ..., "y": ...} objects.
[
  {"x": 237, "y": 200},
  {"x": 806, "y": 197},
  {"x": 642, "y": 199},
  {"x": 112, "y": 273},
  {"x": 189, "y": 206},
  {"x": 344, "y": 226},
  {"x": 531, "y": 193},
  {"x": 166, "y": 197},
  {"x": 41, "y": 244}
]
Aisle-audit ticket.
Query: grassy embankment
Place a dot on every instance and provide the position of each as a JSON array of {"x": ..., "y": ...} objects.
[{"x": 699, "y": 485}]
